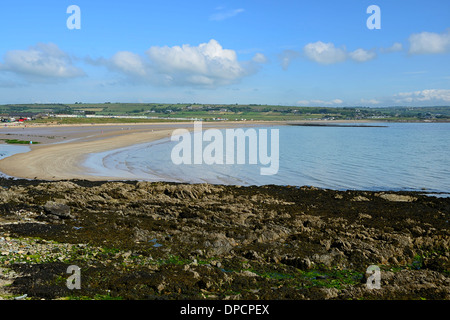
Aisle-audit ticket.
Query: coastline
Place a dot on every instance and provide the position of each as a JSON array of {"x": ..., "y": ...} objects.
[
  {"x": 63, "y": 161},
  {"x": 60, "y": 154},
  {"x": 63, "y": 149},
  {"x": 141, "y": 240}
]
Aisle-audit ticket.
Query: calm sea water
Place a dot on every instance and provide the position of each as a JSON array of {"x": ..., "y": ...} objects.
[{"x": 401, "y": 156}]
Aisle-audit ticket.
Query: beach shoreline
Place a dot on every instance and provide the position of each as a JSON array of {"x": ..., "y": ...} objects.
[
  {"x": 143, "y": 240},
  {"x": 61, "y": 149}
]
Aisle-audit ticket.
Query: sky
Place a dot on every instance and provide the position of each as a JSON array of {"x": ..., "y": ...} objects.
[{"x": 297, "y": 53}]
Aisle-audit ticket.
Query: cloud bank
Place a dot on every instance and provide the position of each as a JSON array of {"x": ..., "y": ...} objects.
[
  {"x": 428, "y": 96},
  {"x": 327, "y": 53},
  {"x": 429, "y": 42},
  {"x": 207, "y": 64},
  {"x": 324, "y": 53},
  {"x": 40, "y": 62},
  {"x": 320, "y": 102}
]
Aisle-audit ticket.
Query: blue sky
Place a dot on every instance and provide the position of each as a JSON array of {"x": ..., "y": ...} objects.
[{"x": 300, "y": 53}]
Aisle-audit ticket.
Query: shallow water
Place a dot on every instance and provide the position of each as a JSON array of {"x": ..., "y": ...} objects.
[
  {"x": 400, "y": 156},
  {"x": 7, "y": 150}
]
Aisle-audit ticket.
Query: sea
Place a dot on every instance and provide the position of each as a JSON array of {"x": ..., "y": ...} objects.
[
  {"x": 7, "y": 150},
  {"x": 364, "y": 156}
]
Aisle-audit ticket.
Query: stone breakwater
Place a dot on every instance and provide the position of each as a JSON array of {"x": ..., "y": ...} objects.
[{"x": 142, "y": 240}]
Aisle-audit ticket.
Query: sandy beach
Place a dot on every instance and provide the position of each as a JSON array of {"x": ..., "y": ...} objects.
[{"x": 62, "y": 148}]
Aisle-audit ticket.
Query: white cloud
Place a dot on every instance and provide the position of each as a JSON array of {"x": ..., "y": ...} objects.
[
  {"x": 327, "y": 53},
  {"x": 207, "y": 64},
  {"x": 43, "y": 61},
  {"x": 320, "y": 102},
  {"x": 223, "y": 15},
  {"x": 428, "y": 96},
  {"x": 324, "y": 53},
  {"x": 129, "y": 62},
  {"x": 429, "y": 42},
  {"x": 370, "y": 101},
  {"x": 336, "y": 101},
  {"x": 286, "y": 57},
  {"x": 361, "y": 55},
  {"x": 397, "y": 46},
  {"x": 260, "y": 58}
]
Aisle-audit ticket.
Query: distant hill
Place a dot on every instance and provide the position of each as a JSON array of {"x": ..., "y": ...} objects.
[{"x": 233, "y": 112}]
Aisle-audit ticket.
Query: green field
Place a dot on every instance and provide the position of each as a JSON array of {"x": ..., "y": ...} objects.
[{"x": 235, "y": 112}]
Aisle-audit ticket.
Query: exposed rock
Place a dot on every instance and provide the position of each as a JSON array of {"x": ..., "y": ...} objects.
[
  {"x": 58, "y": 209},
  {"x": 396, "y": 197},
  {"x": 360, "y": 198},
  {"x": 143, "y": 240}
]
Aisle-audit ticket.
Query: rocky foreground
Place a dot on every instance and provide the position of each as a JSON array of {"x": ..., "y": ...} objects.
[{"x": 141, "y": 240}]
